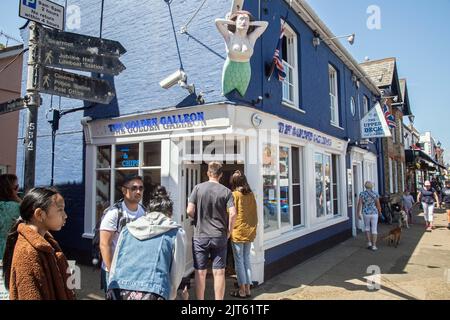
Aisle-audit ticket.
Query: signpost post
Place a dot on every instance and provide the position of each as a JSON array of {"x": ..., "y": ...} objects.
[{"x": 33, "y": 101}]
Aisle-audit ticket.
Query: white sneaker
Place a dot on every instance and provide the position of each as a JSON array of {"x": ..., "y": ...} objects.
[
  {"x": 374, "y": 248},
  {"x": 369, "y": 245}
]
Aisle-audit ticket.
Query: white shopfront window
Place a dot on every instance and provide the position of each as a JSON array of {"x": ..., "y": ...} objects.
[
  {"x": 115, "y": 162},
  {"x": 283, "y": 212},
  {"x": 326, "y": 185}
]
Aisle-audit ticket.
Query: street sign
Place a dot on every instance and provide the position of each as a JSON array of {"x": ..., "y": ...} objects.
[
  {"x": 43, "y": 11},
  {"x": 79, "y": 42},
  {"x": 75, "y": 86},
  {"x": 69, "y": 59},
  {"x": 11, "y": 106}
]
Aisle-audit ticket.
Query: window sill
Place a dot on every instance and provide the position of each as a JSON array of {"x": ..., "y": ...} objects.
[
  {"x": 293, "y": 106},
  {"x": 336, "y": 126}
]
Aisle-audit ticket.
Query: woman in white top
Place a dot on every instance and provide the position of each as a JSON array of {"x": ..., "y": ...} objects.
[{"x": 240, "y": 31}]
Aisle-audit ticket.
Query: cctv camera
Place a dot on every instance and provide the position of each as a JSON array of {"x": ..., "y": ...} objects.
[{"x": 173, "y": 79}]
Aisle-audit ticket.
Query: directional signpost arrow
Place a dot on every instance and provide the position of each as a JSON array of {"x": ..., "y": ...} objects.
[
  {"x": 75, "y": 86},
  {"x": 79, "y": 42},
  {"x": 11, "y": 106},
  {"x": 70, "y": 59}
]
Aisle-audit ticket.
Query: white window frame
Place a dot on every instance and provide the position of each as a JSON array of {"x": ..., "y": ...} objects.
[
  {"x": 334, "y": 95},
  {"x": 3, "y": 169},
  {"x": 285, "y": 228},
  {"x": 291, "y": 65},
  {"x": 365, "y": 105},
  {"x": 353, "y": 106},
  {"x": 328, "y": 214}
]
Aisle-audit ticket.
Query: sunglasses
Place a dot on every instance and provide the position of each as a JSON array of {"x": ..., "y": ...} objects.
[{"x": 135, "y": 188}]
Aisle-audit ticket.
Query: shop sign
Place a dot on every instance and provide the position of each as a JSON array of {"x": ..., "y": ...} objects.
[
  {"x": 374, "y": 124},
  {"x": 304, "y": 134},
  {"x": 186, "y": 120}
]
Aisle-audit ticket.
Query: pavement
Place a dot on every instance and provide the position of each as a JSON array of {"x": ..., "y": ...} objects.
[{"x": 418, "y": 269}]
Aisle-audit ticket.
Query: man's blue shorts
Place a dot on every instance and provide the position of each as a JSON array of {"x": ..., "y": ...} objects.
[{"x": 205, "y": 248}]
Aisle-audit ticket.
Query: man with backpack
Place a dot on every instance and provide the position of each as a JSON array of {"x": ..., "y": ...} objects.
[{"x": 116, "y": 217}]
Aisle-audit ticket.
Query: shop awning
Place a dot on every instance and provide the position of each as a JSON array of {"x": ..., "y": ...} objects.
[{"x": 412, "y": 156}]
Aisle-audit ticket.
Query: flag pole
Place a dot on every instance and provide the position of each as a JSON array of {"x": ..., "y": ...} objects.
[{"x": 272, "y": 68}]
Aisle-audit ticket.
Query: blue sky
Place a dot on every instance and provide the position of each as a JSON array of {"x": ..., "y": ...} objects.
[{"x": 416, "y": 32}]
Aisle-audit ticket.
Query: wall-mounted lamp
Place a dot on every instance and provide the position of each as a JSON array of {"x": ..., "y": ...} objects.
[{"x": 317, "y": 40}]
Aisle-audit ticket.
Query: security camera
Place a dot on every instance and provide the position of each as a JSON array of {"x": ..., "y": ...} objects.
[{"x": 178, "y": 76}]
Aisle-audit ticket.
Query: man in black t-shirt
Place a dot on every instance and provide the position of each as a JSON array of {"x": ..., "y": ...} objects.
[{"x": 208, "y": 206}]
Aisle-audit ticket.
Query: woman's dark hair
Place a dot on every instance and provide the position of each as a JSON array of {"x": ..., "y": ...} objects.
[
  {"x": 160, "y": 201},
  {"x": 37, "y": 198},
  {"x": 7, "y": 186},
  {"x": 234, "y": 18},
  {"x": 239, "y": 183}
]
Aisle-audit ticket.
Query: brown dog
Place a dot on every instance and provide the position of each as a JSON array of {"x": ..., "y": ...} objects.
[{"x": 394, "y": 236}]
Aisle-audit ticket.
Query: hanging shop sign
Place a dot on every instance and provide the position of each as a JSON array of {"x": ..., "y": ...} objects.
[{"x": 374, "y": 124}]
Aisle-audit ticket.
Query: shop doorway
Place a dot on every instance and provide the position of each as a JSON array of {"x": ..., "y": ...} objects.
[{"x": 193, "y": 174}]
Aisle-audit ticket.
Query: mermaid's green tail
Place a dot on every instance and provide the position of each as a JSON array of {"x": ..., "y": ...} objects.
[{"x": 236, "y": 75}]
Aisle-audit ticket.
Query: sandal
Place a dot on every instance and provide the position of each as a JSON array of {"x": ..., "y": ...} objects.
[{"x": 236, "y": 294}]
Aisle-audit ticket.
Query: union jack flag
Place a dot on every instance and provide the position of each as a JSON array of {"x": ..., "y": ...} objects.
[
  {"x": 390, "y": 119},
  {"x": 277, "y": 62}
]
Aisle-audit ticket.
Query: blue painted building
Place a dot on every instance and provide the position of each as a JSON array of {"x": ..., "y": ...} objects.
[{"x": 298, "y": 141}]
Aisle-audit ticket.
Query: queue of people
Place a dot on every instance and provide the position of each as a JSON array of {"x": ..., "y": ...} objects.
[{"x": 143, "y": 249}]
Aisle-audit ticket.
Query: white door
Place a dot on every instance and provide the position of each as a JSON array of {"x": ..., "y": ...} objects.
[{"x": 190, "y": 174}]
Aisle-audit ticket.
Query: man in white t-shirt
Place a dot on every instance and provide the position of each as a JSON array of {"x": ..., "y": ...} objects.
[{"x": 132, "y": 189}]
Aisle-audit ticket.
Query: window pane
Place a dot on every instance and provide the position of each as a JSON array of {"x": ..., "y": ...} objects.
[
  {"x": 102, "y": 193},
  {"x": 335, "y": 208},
  {"x": 297, "y": 215},
  {"x": 120, "y": 176},
  {"x": 296, "y": 196},
  {"x": 284, "y": 186},
  {"x": 104, "y": 157},
  {"x": 152, "y": 154},
  {"x": 127, "y": 155},
  {"x": 319, "y": 185},
  {"x": 327, "y": 164},
  {"x": 192, "y": 147},
  {"x": 270, "y": 203},
  {"x": 213, "y": 145},
  {"x": 295, "y": 165},
  {"x": 152, "y": 178}
]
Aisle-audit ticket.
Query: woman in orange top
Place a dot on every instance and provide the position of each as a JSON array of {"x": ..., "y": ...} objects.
[{"x": 244, "y": 232}]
